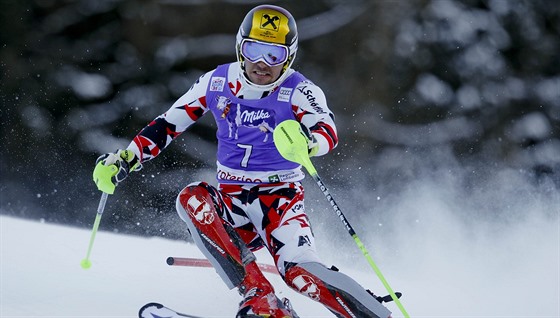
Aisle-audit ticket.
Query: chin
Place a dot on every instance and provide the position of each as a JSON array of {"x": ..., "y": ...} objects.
[{"x": 260, "y": 81}]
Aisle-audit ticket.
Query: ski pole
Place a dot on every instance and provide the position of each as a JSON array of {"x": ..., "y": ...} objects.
[
  {"x": 86, "y": 263},
  {"x": 292, "y": 145}
]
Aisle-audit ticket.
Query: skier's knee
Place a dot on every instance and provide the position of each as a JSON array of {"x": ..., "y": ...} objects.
[
  {"x": 302, "y": 281},
  {"x": 338, "y": 292},
  {"x": 194, "y": 204}
]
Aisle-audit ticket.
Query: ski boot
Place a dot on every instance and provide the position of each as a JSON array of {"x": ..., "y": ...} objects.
[
  {"x": 259, "y": 299},
  {"x": 258, "y": 303}
]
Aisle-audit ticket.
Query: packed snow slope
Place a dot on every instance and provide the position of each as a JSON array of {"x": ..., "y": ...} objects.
[{"x": 451, "y": 272}]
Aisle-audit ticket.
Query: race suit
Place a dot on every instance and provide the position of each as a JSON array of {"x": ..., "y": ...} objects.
[{"x": 259, "y": 194}]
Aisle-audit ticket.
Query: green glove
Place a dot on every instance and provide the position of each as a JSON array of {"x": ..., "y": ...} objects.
[{"x": 112, "y": 168}]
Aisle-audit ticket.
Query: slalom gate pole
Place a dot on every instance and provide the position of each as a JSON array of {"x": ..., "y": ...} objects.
[
  {"x": 292, "y": 145},
  {"x": 86, "y": 263},
  {"x": 200, "y": 262}
]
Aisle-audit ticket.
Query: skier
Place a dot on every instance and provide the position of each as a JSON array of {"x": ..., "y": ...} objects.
[{"x": 259, "y": 200}]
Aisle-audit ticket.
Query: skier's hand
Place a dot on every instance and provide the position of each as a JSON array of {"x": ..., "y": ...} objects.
[
  {"x": 112, "y": 168},
  {"x": 312, "y": 145}
]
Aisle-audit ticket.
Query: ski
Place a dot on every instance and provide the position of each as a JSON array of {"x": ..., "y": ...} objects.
[{"x": 156, "y": 310}]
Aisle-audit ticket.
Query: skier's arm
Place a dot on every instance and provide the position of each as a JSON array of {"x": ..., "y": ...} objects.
[
  {"x": 157, "y": 135},
  {"x": 112, "y": 168},
  {"x": 311, "y": 110}
]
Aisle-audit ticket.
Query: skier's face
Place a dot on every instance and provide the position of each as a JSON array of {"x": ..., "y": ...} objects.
[{"x": 261, "y": 74}]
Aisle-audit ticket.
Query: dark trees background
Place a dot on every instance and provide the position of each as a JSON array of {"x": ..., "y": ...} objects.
[{"x": 416, "y": 86}]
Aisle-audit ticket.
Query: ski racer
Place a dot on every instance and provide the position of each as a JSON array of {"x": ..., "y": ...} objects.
[{"x": 259, "y": 199}]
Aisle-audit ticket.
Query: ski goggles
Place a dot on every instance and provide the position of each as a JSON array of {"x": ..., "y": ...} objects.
[{"x": 271, "y": 54}]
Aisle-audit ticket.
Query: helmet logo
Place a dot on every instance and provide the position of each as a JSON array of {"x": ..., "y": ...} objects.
[
  {"x": 269, "y": 25},
  {"x": 269, "y": 21}
]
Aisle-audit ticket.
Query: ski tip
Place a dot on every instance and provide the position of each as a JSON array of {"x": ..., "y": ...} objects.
[{"x": 145, "y": 309}]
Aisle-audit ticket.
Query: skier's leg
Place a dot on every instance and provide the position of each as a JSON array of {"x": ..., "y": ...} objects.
[
  {"x": 203, "y": 209},
  {"x": 290, "y": 239},
  {"x": 196, "y": 206},
  {"x": 338, "y": 292}
]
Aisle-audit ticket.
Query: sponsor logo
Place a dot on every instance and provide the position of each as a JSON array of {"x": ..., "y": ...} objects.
[
  {"x": 274, "y": 178},
  {"x": 223, "y": 104},
  {"x": 287, "y": 176},
  {"x": 297, "y": 207},
  {"x": 268, "y": 22},
  {"x": 335, "y": 206},
  {"x": 345, "y": 307},
  {"x": 304, "y": 240},
  {"x": 207, "y": 239},
  {"x": 224, "y": 175},
  {"x": 311, "y": 99},
  {"x": 284, "y": 94},
  {"x": 250, "y": 116},
  {"x": 306, "y": 285},
  {"x": 244, "y": 116},
  {"x": 217, "y": 84},
  {"x": 200, "y": 210}
]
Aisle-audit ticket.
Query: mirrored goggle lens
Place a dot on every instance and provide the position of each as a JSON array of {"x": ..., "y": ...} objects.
[{"x": 271, "y": 54}]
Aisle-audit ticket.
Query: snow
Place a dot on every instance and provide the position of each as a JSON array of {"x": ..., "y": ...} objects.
[
  {"x": 444, "y": 267},
  {"x": 41, "y": 276}
]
